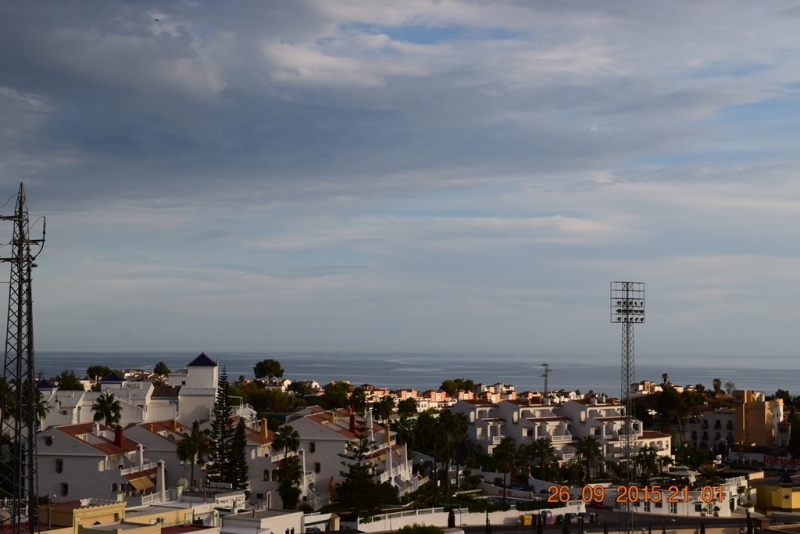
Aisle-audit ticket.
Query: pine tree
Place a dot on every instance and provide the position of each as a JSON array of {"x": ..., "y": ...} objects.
[
  {"x": 238, "y": 457},
  {"x": 221, "y": 432},
  {"x": 358, "y": 489}
]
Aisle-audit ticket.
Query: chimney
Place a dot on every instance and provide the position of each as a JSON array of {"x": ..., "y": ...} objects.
[
  {"x": 118, "y": 436},
  {"x": 173, "y": 425},
  {"x": 352, "y": 422},
  {"x": 140, "y": 454},
  {"x": 333, "y": 416},
  {"x": 264, "y": 427},
  {"x": 96, "y": 428}
]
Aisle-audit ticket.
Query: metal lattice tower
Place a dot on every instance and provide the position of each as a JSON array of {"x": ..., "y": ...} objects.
[
  {"x": 18, "y": 480},
  {"x": 627, "y": 308}
]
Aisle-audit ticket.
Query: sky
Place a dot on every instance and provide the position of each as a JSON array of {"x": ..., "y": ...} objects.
[{"x": 416, "y": 176}]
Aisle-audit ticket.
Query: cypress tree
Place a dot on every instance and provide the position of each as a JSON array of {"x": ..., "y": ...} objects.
[
  {"x": 702, "y": 528},
  {"x": 451, "y": 519},
  {"x": 539, "y": 524},
  {"x": 488, "y": 525},
  {"x": 221, "y": 432},
  {"x": 238, "y": 457},
  {"x": 749, "y": 523},
  {"x": 605, "y": 527}
]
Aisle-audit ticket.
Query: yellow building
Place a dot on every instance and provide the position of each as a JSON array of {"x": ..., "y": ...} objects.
[
  {"x": 68, "y": 517},
  {"x": 784, "y": 497},
  {"x": 756, "y": 419}
]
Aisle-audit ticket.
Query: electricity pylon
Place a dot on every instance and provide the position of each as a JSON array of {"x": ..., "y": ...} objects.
[{"x": 19, "y": 495}]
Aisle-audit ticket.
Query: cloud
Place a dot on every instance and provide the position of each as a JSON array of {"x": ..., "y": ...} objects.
[{"x": 461, "y": 170}]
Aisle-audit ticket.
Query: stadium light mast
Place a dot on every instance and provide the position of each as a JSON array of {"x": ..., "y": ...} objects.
[
  {"x": 19, "y": 495},
  {"x": 627, "y": 309}
]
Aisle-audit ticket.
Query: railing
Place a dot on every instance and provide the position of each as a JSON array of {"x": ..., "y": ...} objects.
[
  {"x": 137, "y": 469},
  {"x": 309, "y": 478},
  {"x": 561, "y": 437},
  {"x": 409, "y": 513}
]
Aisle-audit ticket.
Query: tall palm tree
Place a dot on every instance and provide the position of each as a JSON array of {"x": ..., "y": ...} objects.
[
  {"x": 41, "y": 409},
  {"x": 504, "y": 456},
  {"x": 194, "y": 448},
  {"x": 107, "y": 409},
  {"x": 543, "y": 449},
  {"x": 589, "y": 449},
  {"x": 287, "y": 439}
]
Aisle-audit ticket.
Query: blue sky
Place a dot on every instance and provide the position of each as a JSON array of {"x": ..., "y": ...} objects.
[{"x": 407, "y": 176}]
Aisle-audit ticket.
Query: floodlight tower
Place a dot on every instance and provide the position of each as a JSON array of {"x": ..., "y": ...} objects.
[
  {"x": 19, "y": 496},
  {"x": 627, "y": 309}
]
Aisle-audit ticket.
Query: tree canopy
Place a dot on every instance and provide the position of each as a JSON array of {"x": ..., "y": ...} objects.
[
  {"x": 269, "y": 369},
  {"x": 68, "y": 381}
]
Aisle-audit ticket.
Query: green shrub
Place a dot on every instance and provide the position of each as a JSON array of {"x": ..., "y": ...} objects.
[{"x": 419, "y": 529}]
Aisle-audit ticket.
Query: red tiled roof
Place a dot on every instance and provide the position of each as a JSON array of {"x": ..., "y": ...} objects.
[{"x": 106, "y": 446}]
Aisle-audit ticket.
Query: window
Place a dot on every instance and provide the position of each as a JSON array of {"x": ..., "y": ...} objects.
[
  {"x": 114, "y": 487},
  {"x": 64, "y": 489},
  {"x": 275, "y": 475},
  {"x": 259, "y": 496},
  {"x": 698, "y": 507},
  {"x": 673, "y": 508},
  {"x": 317, "y": 467},
  {"x": 59, "y": 465},
  {"x": 48, "y": 441},
  {"x": 266, "y": 475},
  {"x": 646, "y": 506},
  {"x": 312, "y": 447}
]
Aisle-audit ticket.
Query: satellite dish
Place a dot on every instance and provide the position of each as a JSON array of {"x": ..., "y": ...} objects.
[{"x": 183, "y": 482}]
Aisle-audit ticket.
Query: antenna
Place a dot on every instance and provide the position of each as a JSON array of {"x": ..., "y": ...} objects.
[
  {"x": 18, "y": 478},
  {"x": 545, "y": 375}
]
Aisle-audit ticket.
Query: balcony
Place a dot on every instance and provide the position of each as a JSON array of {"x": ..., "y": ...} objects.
[
  {"x": 560, "y": 437},
  {"x": 717, "y": 425}
]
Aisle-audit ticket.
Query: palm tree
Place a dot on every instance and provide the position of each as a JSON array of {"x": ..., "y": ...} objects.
[
  {"x": 290, "y": 475},
  {"x": 287, "y": 439},
  {"x": 451, "y": 425},
  {"x": 41, "y": 409},
  {"x": 543, "y": 449},
  {"x": 194, "y": 448},
  {"x": 107, "y": 409},
  {"x": 504, "y": 456},
  {"x": 589, "y": 449}
]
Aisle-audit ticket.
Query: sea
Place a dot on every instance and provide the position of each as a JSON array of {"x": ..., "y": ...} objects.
[{"x": 423, "y": 371}]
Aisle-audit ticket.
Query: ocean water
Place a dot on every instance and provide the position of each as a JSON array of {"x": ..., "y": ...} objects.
[{"x": 424, "y": 371}]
